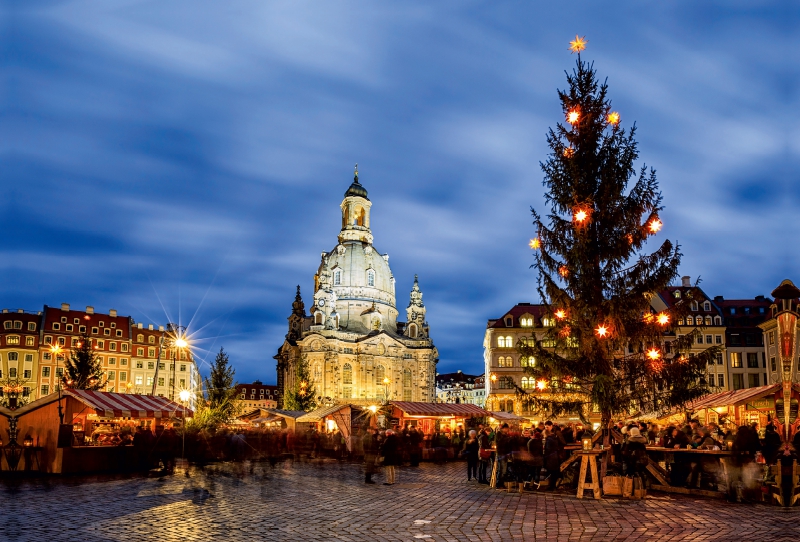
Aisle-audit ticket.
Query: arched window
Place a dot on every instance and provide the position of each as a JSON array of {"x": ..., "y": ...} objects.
[
  {"x": 694, "y": 305},
  {"x": 380, "y": 374},
  {"x": 358, "y": 217},
  {"x": 689, "y": 321},
  {"x": 509, "y": 321},
  {"x": 528, "y": 383},
  {"x": 707, "y": 306},
  {"x": 317, "y": 318},
  {"x": 509, "y": 405},
  {"x": 505, "y": 382},
  {"x": 347, "y": 374},
  {"x": 677, "y": 294},
  {"x": 370, "y": 277},
  {"x": 337, "y": 277},
  {"x": 527, "y": 361},
  {"x": 717, "y": 321},
  {"x": 412, "y": 331},
  {"x": 317, "y": 372},
  {"x": 140, "y": 338},
  {"x": 151, "y": 339},
  {"x": 708, "y": 320}
]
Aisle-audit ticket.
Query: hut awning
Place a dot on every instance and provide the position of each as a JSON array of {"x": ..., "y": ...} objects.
[
  {"x": 507, "y": 417},
  {"x": 435, "y": 410},
  {"x": 128, "y": 405},
  {"x": 725, "y": 398},
  {"x": 321, "y": 413}
]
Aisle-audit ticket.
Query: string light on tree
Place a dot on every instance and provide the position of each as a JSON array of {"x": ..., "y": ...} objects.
[
  {"x": 580, "y": 216},
  {"x": 560, "y": 314},
  {"x": 602, "y": 331},
  {"x": 569, "y": 152},
  {"x": 578, "y": 44},
  {"x": 655, "y": 225},
  {"x": 535, "y": 243},
  {"x": 563, "y": 271},
  {"x": 573, "y": 116},
  {"x": 653, "y": 354},
  {"x": 613, "y": 118},
  {"x": 662, "y": 318},
  {"x": 541, "y": 385}
]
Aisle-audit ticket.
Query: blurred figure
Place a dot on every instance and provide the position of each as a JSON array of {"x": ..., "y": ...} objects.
[{"x": 390, "y": 451}]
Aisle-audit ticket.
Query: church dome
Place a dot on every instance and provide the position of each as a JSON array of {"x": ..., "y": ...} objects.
[{"x": 356, "y": 190}]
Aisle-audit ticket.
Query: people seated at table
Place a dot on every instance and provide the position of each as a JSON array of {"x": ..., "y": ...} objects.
[{"x": 634, "y": 452}]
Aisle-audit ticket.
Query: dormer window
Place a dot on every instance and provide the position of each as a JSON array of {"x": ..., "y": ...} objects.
[
  {"x": 707, "y": 306},
  {"x": 509, "y": 321},
  {"x": 694, "y": 305},
  {"x": 677, "y": 294},
  {"x": 547, "y": 322},
  {"x": 526, "y": 321}
]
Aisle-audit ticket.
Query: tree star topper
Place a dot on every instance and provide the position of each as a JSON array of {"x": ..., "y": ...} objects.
[{"x": 579, "y": 44}]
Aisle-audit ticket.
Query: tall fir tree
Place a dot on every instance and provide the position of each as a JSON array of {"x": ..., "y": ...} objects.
[
  {"x": 301, "y": 396},
  {"x": 220, "y": 386},
  {"x": 604, "y": 350},
  {"x": 83, "y": 369}
]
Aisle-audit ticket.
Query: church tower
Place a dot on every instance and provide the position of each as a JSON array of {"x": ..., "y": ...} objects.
[
  {"x": 416, "y": 327},
  {"x": 355, "y": 214}
]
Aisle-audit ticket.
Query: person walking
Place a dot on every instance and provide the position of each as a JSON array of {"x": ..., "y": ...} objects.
[
  {"x": 391, "y": 456},
  {"x": 369, "y": 443},
  {"x": 415, "y": 446},
  {"x": 552, "y": 460},
  {"x": 471, "y": 447},
  {"x": 484, "y": 455},
  {"x": 536, "y": 449}
]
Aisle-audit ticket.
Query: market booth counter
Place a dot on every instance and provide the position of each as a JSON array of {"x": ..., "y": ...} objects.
[
  {"x": 96, "y": 434},
  {"x": 343, "y": 417}
]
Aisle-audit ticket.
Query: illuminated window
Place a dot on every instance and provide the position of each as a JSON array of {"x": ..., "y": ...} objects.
[
  {"x": 708, "y": 320},
  {"x": 380, "y": 374},
  {"x": 407, "y": 378},
  {"x": 528, "y": 383},
  {"x": 547, "y": 322},
  {"x": 151, "y": 339},
  {"x": 140, "y": 338},
  {"x": 347, "y": 374},
  {"x": 138, "y": 380},
  {"x": 527, "y": 361},
  {"x": 112, "y": 375},
  {"x": 347, "y": 392},
  {"x": 736, "y": 360},
  {"x": 505, "y": 361},
  {"x": 13, "y": 339}
]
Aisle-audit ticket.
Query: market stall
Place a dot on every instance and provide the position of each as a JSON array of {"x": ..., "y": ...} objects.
[
  {"x": 762, "y": 405},
  {"x": 343, "y": 418},
  {"x": 432, "y": 417},
  {"x": 97, "y": 430}
]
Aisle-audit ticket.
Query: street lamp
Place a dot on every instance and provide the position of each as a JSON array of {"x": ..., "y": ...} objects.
[
  {"x": 385, "y": 389},
  {"x": 56, "y": 351},
  {"x": 184, "y": 396}
]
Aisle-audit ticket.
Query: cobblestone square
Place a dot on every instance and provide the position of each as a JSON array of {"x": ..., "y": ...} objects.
[{"x": 327, "y": 500}]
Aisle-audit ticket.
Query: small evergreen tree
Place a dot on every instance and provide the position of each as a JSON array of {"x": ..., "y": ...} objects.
[
  {"x": 221, "y": 387},
  {"x": 83, "y": 370},
  {"x": 604, "y": 349},
  {"x": 301, "y": 396}
]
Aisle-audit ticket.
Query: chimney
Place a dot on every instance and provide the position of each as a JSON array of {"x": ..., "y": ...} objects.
[
  {"x": 150, "y": 327},
  {"x": 719, "y": 298},
  {"x": 65, "y": 306},
  {"x": 459, "y": 370},
  {"x": 112, "y": 313},
  {"x": 89, "y": 310},
  {"x": 5, "y": 311},
  {"x": 161, "y": 328},
  {"x": 20, "y": 311},
  {"x": 760, "y": 298},
  {"x": 686, "y": 282},
  {"x": 140, "y": 325}
]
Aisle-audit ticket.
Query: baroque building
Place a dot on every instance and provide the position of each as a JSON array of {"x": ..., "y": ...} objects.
[{"x": 355, "y": 348}]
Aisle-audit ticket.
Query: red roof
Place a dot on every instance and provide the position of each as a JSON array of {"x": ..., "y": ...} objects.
[
  {"x": 439, "y": 409},
  {"x": 128, "y": 405}
]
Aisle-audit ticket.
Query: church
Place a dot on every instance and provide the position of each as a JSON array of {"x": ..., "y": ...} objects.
[{"x": 355, "y": 348}]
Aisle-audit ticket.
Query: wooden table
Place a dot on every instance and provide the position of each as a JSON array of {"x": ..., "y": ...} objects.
[
  {"x": 589, "y": 466},
  {"x": 661, "y": 475}
]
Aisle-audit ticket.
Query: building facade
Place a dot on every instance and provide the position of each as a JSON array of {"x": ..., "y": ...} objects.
[
  {"x": 355, "y": 348},
  {"x": 458, "y": 388},
  {"x": 745, "y": 330},
  {"x": 127, "y": 352},
  {"x": 257, "y": 395}
]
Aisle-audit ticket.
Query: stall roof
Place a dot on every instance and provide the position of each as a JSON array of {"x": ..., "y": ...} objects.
[
  {"x": 725, "y": 398},
  {"x": 439, "y": 409},
  {"x": 320, "y": 414},
  {"x": 128, "y": 405},
  {"x": 286, "y": 413},
  {"x": 507, "y": 417}
]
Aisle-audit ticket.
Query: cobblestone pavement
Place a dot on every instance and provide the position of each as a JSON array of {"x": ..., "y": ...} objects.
[{"x": 329, "y": 501}]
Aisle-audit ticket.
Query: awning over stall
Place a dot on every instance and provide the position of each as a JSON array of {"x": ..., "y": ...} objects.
[
  {"x": 128, "y": 405},
  {"x": 439, "y": 409}
]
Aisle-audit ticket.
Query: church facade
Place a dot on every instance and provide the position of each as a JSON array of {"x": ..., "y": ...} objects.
[{"x": 355, "y": 349}]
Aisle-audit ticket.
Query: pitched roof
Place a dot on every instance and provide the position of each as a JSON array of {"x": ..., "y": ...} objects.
[
  {"x": 439, "y": 409},
  {"x": 537, "y": 311},
  {"x": 725, "y": 398},
  {"x": 320, "y": 414},
  {"x": 128, "y": 405}
]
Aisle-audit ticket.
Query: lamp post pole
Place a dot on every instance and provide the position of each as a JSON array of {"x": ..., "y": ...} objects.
[{"x": 56, "y": 351}]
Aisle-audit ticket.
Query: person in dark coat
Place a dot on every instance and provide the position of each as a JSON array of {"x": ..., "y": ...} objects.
[
  {"x": 390, "y": 450},
  {"x": 471, "y": 446},
  {"x": 536, "y": 451},
  {"x": 414, "y": 446},
  {"x": 552, "y": 460},
  {"x": 772, "y": 443},
  {"x": 370, "y": 444},
  {"x": 634, "y": 452},
  {"x": 484, "y": 449}
]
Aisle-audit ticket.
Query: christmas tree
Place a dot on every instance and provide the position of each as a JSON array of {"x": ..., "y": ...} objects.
[
  {"x": 301, "y": 396},
  {"x": 83, "y": 369},
  {"x": 221, "y": 387},
  {"x": 604, "y": 349}
]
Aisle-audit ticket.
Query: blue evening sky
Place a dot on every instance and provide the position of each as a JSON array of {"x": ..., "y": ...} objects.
[{"x": 186, "y": 159}]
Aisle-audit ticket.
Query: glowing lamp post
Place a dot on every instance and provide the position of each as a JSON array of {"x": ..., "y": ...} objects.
[
  {"x": 55, "y": 350},
  {"x": 184, "y": 396},
  {"x": 385, "y": 389}
]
